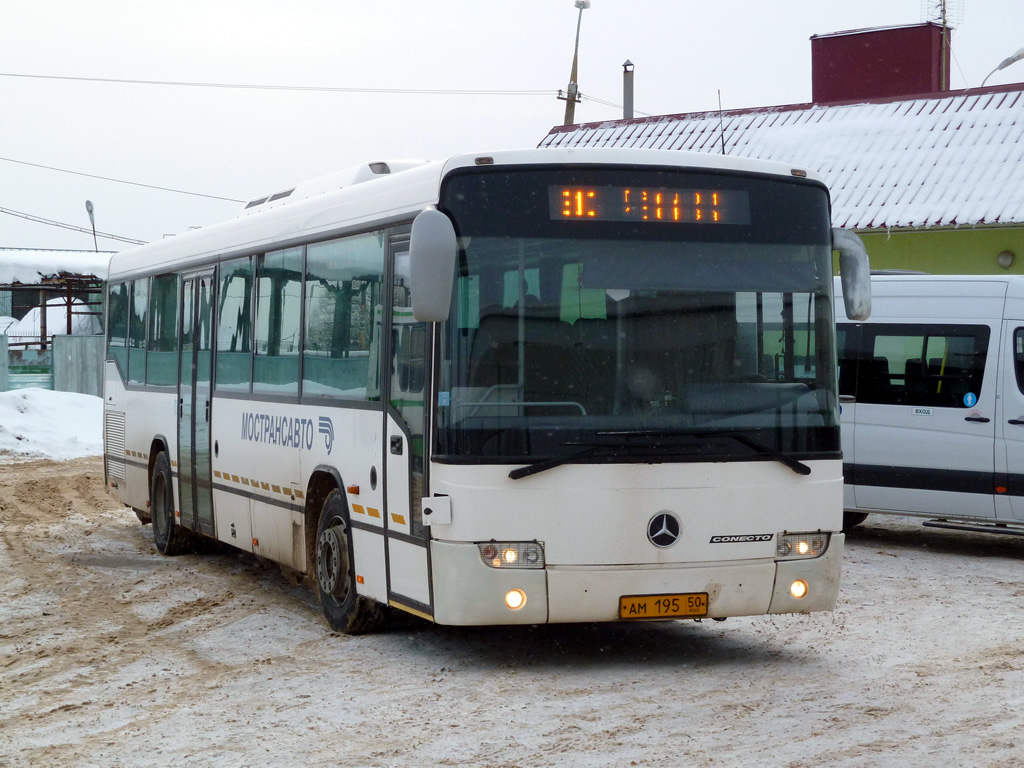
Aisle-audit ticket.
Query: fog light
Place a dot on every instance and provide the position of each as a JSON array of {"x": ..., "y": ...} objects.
[
  {"x": 798, "y": 589},
  {"x": 515, "y": 599}
]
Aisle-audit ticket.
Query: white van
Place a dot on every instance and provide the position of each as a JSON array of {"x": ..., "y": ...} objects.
[{"x": 932, "y": 398}]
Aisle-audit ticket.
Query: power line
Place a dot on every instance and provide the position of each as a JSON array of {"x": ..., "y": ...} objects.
[
  {"x": 121, "y": 181},
  {"x": 320, "y": 89},
  {"x": 4, "y": 248},
  {"x": 326, "y": 89},
  {"x": 62, "y": 225},
  {"x": 584, "y": 97}
]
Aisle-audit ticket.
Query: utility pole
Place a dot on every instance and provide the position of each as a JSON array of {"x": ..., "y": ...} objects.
[{"x": 572, "y": 95}]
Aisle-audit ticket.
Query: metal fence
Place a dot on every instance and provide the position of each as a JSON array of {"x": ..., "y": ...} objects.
[{"x": 70, "y": 364}]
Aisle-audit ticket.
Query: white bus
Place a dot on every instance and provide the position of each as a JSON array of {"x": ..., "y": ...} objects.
[{"x": 525, "y": 387}]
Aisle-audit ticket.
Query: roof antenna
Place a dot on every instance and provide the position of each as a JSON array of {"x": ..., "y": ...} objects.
[{"x": 721, "y": 124}]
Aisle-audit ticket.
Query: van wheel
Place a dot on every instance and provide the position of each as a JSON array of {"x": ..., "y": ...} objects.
[
  {"x": 335, "y": 573},
  {"x": 853, "y": 519},
  {"x": 169, "y": 537}
]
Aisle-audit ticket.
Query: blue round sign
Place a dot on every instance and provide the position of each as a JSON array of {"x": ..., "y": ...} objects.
[{"x": 970, "y": 399}]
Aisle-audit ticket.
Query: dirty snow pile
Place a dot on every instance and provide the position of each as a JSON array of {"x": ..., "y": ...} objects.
[{"x": 40, "y": 424}]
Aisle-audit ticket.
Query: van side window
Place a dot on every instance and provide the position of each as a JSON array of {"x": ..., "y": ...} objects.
[
  {"x": 924, "y": 365},
  {"x": 1018, "y": 357}
]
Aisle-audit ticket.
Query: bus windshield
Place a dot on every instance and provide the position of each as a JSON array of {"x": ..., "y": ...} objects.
[{"x": 637, "y": 315}]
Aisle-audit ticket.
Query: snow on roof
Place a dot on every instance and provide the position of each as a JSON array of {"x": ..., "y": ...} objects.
[
  {"x": 939, "y": 160},
  {"x": 29, "y": 267},
  {"x": 862, "y": 30}
]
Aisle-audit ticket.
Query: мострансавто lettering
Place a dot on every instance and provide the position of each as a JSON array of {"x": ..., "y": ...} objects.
[{"x": 286, "y": 431}]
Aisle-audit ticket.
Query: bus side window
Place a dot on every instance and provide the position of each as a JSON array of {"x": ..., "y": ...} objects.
[
  {"x": 343, "y": 292},
  {"x": 117, "y": 326},
  {"x": 278, "y": 322},
  {"x": 234, "y": 326},
  {"x": 137, "y": 332},
  {"x": 162, "y": 350}
]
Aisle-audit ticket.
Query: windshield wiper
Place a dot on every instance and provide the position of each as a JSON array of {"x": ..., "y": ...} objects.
[
  {"x": 542, "y": 466},
  {"x": 546, "y": 464},
  {"x": 797, "y": 466}
]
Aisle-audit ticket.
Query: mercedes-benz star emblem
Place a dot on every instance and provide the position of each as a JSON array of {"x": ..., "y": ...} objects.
[{"x": 663, "y": 530}]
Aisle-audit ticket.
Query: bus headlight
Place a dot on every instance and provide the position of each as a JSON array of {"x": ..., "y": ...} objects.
[
  {"x": 798, "y": 589},
  {"x": 800, "y": 546},
  {"x": 512, "y": 554}
]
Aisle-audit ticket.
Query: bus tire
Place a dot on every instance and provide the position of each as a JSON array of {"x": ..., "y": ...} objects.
[
  {"x": 170, "y": 538},
  {"x": 335, "y": 574},
  {"x": 853, "y": 519}
]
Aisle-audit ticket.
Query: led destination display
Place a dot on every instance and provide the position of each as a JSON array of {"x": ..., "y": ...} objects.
[{"x": 643, "y": 204}]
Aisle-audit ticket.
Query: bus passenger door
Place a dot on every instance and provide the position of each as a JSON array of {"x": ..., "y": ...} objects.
[
  {"x": 405, "y": 415},
  {"x": 195, "y": 482}
]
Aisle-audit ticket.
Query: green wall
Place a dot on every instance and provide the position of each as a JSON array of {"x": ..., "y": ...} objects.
[{"x": 963, "y": 251}]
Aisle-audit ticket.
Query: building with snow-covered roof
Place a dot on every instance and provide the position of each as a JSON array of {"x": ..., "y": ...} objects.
[
  {"x": 30, "y": 277},
  {"x": 931, "y": 181},
  {"x": 69, "y": 284}
]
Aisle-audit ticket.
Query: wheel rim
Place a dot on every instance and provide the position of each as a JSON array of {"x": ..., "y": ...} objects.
[{"x": 332, "y": 562}]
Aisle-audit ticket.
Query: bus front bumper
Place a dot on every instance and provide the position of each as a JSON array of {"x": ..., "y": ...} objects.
[{"x": 468, "y": 592}]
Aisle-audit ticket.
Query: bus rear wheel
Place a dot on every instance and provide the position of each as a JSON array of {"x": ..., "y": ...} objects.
[
  {"x": 335, "y": 575},
  {"x": 169, "y": 537}
]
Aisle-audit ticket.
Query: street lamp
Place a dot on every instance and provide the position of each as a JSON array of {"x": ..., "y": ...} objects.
[
  {"x": 92, "y": 220},
  {"x": 572, "y": 95},
  {"x": 1004, "y": 64}
]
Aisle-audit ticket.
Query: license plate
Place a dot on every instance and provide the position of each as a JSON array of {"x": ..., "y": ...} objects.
[{"x": 664, "y": 606}]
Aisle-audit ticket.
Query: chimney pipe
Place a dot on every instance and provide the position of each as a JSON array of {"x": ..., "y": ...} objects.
[{"x": 627, "y": 89}]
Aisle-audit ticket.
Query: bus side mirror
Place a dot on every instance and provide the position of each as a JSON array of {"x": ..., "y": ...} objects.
[
  {"x": 432, "y": 253},
  {"x": 854, "y": 273}
]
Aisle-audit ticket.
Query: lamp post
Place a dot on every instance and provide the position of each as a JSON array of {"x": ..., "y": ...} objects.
[
  {"x": 92, "y": 220},
  {"x": 572, "y": 95},
  {"x": 1004, "y": 64}
]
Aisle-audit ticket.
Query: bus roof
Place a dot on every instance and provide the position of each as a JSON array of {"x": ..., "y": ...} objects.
[{"x": 372, "y": 198}]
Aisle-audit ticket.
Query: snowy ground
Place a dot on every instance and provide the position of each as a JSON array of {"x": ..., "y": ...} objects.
[
  {"x": 40, "y": 424},
  {"x": 111, "y": 655}
]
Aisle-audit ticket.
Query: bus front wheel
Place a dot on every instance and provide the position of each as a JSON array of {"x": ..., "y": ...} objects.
[
  {"x": 169, "y": 537},
  {"x": 335, "y": 573}
]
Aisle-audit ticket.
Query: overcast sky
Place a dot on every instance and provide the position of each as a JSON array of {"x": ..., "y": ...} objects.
[{"x": 241, "y": 143}]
